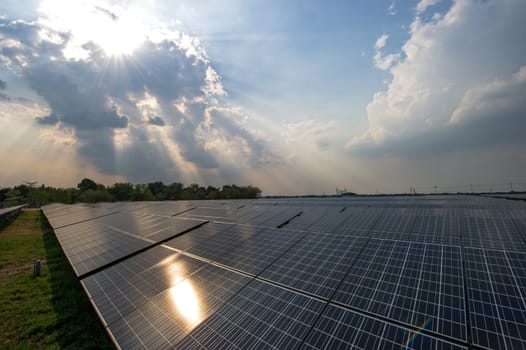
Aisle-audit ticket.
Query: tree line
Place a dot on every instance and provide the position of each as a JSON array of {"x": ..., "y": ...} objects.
[{"x": 88, "y": 191}]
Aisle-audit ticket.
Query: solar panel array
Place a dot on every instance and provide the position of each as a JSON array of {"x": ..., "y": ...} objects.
[
  {"x": 416, "y": 272},
  {"x": 5, "y": 211}
]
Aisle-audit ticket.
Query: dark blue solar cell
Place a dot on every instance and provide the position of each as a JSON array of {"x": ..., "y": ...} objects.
[
  {"x": 340, "y": 328},
  {"x": 316, "y": 264},
  {"x": 259, "y": 316}
]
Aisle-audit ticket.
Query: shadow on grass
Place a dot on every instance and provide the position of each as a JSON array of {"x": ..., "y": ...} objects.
[
  {"x": 7, "y": 220},
  {"x": 78, "y": 324}
]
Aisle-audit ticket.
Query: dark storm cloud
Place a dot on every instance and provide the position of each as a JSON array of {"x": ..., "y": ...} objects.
[
  {"x": 26, "y": 33},
  {"x": 3, "y": 96},
  {"x": 185, "y": 132},
  {"x": 74, "y": 99},
  {"x": 506, "y": 127},
  {"x": 97, "y": 147},
  {"x": 29, "y": 46},
  {"x": 139, "y": 159},
  {"x": 158, "y": 121},
  {"x": 165, "y": 71},
  {"x": 146, "y": 161},
  {"x": 97, "y": 99}
]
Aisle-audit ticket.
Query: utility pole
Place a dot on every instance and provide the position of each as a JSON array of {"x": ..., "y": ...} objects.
[
  {"x": 435, "y": 189},
  {"x": 31, "y": 183},
  {"x": 511, "y": 186}
]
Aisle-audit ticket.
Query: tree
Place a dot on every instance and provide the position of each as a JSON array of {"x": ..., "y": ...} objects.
[
  {"x": 95, "y": 196},
  {"x": 142, "y": 193},
  {"x": 252, "y": 192},
  {"x": 13, "y": 197},
  {"x": 3, "y": 192},
  {"x": 173, "y": 191},
  {"x": 156, "y": 188},
  {"x": 61, "y": 195},
  {"x": 23, "y": 189},
  {"x": 37, "y": 197},
  {"x": 122, "y": 191},
  {"x": 87, "y": 184}
]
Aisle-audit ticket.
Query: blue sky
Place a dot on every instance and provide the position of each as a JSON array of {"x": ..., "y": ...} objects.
[{"x": 297, "y": 97}]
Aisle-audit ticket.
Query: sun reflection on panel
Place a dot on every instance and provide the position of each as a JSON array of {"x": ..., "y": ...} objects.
[
  {"x": 183, "y": 295},
  {"x": 186, "y": 301}
]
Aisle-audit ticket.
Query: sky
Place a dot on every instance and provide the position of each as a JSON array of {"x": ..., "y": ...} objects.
[{"x": 295, "y": 97}]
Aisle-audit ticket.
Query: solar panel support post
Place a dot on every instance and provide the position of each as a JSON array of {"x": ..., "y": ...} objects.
[{"x": 36, "y": 268}]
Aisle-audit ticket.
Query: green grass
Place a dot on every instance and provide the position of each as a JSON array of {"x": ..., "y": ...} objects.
[{"x": 46, "y": 312}]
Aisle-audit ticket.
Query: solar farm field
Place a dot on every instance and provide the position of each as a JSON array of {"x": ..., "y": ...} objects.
[{"x": 415, "y": 272}]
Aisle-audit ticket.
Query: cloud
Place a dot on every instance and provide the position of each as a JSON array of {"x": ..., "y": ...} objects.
[
  {"x": 74, "y": 100},
  {"x": 382, "y": 61},
  {"x": 424, "y": 4},
  {"x": 108, "y": 12},
  {"x": 457, "y": 83},
  {"x": 392, "y": 9},
  {"x": 105, "y": 102},
  {"x": 380, "y": 42},
  {"x": 233, "y": 137},
  {"x": 492, "y": 99},
  {"x": 3, "y": 96},
  {"x": 156, "y": 121},
  {"x": 318, "y": 135}
]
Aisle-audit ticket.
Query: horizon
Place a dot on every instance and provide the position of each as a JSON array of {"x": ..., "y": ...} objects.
[
  {"x": 467, "y": 189},
  {"x": 301, "y": 98}
]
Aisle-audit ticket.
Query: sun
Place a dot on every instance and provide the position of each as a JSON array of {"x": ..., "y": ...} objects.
[
  {"x": 119, "y": 36},
  {"x": 115, "y": 29}
]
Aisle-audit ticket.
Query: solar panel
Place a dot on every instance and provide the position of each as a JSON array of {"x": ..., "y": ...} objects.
[
  {"x": 492, "y": 233},
  {"x": 152, "y": 227},
  {"x": 95, "y": 243},
  {"x": 361, "y": 222},
  {"x": 393, "y": 226},
  {"x": 419, "y": 272},
  {"x": 340, "y": 328},
  {"x": 122, "y": 288},
  {"x": 317, "y": 264},
  {"x": 319, "y": 219},
  {"x": 273, "y": 216},
  {"x": 408, "y": 282},
  {"x": 90, "y": 246},
  {"x": 496, "y": 298},
  {"x": 437, "y": 229},
  {"x": 4, "y": 211},
  {"x": 220, "y": 244},
  {"x": 200, "y": 235},
  {"x": 64, "y": 215},
  {"x": 260, "y": 316},
  {"x": 167, "y": 318},
  {"x": 211, "y": 212},
  {"x": 254, "y": 255}
]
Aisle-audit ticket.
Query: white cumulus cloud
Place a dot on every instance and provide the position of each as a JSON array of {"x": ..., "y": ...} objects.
[
  {"x": 424, "y": 4},
  {"x": 464, "y": 65},
  {"x": 384, "y": 61}
]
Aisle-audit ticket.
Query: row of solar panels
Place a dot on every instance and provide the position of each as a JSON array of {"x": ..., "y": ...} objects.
[
  {"x": 357, "y": 272},
  {"x": 10, "y": 210}
]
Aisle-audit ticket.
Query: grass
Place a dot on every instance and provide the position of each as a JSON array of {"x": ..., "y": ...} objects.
[{"x": 47, "y": 312}]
